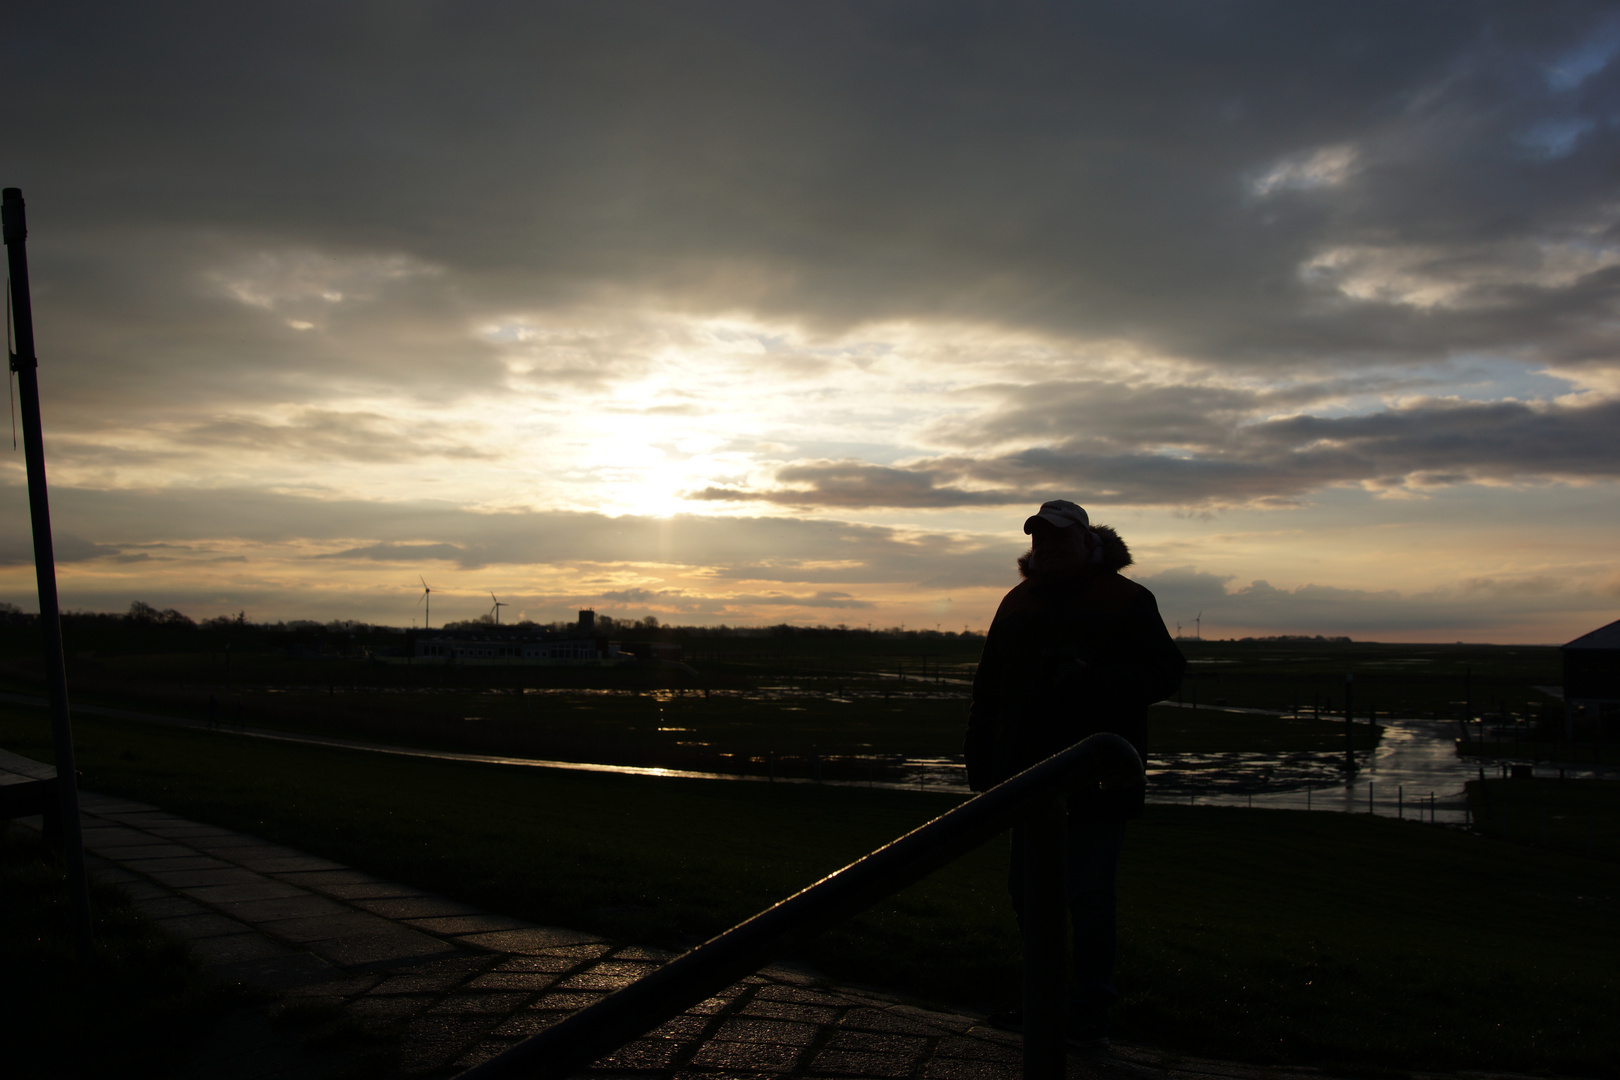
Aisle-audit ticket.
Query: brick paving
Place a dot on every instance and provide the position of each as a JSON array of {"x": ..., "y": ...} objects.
[{"x": 444, "y": 985}]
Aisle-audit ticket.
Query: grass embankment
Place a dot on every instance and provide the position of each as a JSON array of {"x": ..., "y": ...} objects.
[
  {"x": 835, "y": 731},
  {"x": 136, "y": 1009},
  {"x": 1575, "y": 816},
  {"x": 1256, "y": 935},
  {"x": 1579, "y": 752}
]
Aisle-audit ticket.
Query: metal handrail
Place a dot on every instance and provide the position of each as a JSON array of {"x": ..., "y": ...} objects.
[{"x": 1034, "y": 796}]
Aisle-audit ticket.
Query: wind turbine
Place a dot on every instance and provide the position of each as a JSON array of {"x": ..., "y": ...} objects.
[
  {"x": 497, "y": 608},
  {"x": 427, "y": 605},
  {"x": 1199, "y": 624},
  {"x": 1178, "y": 629}
]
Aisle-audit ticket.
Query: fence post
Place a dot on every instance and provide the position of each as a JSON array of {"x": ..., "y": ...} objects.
[{"x": 1044, "y": 1011}]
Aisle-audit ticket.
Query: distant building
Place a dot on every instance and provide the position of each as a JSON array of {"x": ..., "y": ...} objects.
[
  {"x": 511, "y": 647},
  {"x": 1592, "y": 675},
  {"x": 652, "y": 650}
]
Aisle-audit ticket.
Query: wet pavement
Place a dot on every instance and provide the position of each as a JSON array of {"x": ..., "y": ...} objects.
[{"x": 436, "y": 986}]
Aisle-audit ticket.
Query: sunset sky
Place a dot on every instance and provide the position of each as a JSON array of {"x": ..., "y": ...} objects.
[{"x": 792, "y": 312}]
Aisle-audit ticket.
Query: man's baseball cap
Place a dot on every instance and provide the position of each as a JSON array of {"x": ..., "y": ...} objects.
[{"x": 1059, "y": 512}]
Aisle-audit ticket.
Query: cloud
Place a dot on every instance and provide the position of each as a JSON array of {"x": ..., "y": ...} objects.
[
  {"x": 408, "y": 553},
  {"x": 427, "y": 531},
  {"x": 329, "y": 435},
  {"x": 857, "y": 266},
  {"x": 1231, "y": 610},
  {"x": 1418, "y": 446},
  {"x": 827, "y": 164},
  {"x": 678, "y": 600}
]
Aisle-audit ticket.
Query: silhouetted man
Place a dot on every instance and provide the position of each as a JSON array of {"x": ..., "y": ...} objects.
[{"x": 1074, "y": 649}]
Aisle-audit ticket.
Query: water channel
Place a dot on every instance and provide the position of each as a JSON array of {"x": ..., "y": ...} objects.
[{"x": 1415, "y": 773}]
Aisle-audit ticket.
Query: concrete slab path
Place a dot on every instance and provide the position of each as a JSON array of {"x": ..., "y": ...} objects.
[{"x": 446, "y": 985}]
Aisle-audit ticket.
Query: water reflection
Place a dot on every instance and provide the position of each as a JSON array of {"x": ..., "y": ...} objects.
[{"x": 1416, "y": 772}]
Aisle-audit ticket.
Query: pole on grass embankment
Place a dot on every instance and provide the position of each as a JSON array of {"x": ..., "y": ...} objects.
[
  {"x": 26, "y": 366},
  {"x": 1349, "y": 725}
]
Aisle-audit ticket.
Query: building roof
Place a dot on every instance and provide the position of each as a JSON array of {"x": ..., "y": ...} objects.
[{"x": 1604, "y": 637}]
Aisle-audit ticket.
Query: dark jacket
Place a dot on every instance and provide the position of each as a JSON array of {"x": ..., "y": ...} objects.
[{"x": 1069, "y": 655}]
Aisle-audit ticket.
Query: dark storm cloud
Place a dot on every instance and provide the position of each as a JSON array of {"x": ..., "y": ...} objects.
[
  {"x": 1431, "y": 443},
  {"x": 1140, "y": 171}
]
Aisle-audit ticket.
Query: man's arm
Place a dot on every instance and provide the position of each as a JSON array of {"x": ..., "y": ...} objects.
[{"x": 979, "y": 746}]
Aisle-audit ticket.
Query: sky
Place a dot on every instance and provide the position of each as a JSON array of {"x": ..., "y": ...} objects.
[{"x": 759, "y": 312}]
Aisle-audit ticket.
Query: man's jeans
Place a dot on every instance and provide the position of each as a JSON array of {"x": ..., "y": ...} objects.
[{"x": 1091, "y": 871}]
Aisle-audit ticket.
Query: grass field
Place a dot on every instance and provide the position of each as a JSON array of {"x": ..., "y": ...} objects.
[
  {"x": 1312, "y": 938},
  {"x": 849, "y": 730},
  {"x": 1576, "y": 816}
]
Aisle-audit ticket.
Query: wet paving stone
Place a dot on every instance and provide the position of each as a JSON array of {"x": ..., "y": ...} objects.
[
  {"x": 281, "y": 907},
  {"x": 165, "y": 904},
  {"x": 681, "y": 1028},
  {"x": 538, "y": 963},
  {"x": 783, "y": 1010},
  {"x": 456, "y": 925},
  {"x": 539, "y": 941},
  {"x": 376, "y": 1007},
  {"x": 748, "y": 1057},
  {"x": 570, "y": 1001},
  {"x": 962, "y": 1069},
  {"x": 749, "y": 1029},
  {"x": 801, "y": 996},
  {"x": 655, "y": 957},
  {"x": 413, "y": 907},
  {"x": 225, "y": 843},
  {"x": 197, "y": 925},
  {"x": 233, "y": 947},
  {"x": 849, "y": 1063},
  {"x": 345, "y": 987},
  {"x": 344, "y": 887},
  {"x": 987, "y": 1049},
  {"x": 532, "y": 981},
  {"x": 260, "y": 889},
  {"x": 596, "y": 980},
  {"x": 419, "y": 984},
  {"x": 871, "y": 1042},
  {"x": 643, "y": 1054},
  {"x": 490, "y": 1003},
  {"x": 883, "y": 1020},
  {"x": 490, "y": 1047},
  {"x": 284, "y": 972},
  {"x": 530, "y": 1022},
  {"x": 395, "y": 948},
  {"x": 434, "y": 1041},
  {"x": 133, "y": 853}
]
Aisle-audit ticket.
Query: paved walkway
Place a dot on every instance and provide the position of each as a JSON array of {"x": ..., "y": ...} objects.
[{"x": 446, "y": 985}]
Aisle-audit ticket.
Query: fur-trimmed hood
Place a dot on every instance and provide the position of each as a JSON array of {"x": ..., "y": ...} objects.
[{"x": 1114, "y": 556}]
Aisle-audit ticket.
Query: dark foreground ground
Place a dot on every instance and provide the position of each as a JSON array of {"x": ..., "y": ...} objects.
[
  {"x": 1270, "y": 937},
  {"x": 339, "y": 973}
]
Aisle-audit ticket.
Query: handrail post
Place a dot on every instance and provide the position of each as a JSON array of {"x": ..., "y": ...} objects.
[{"x": 1044, "y": 1055}]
